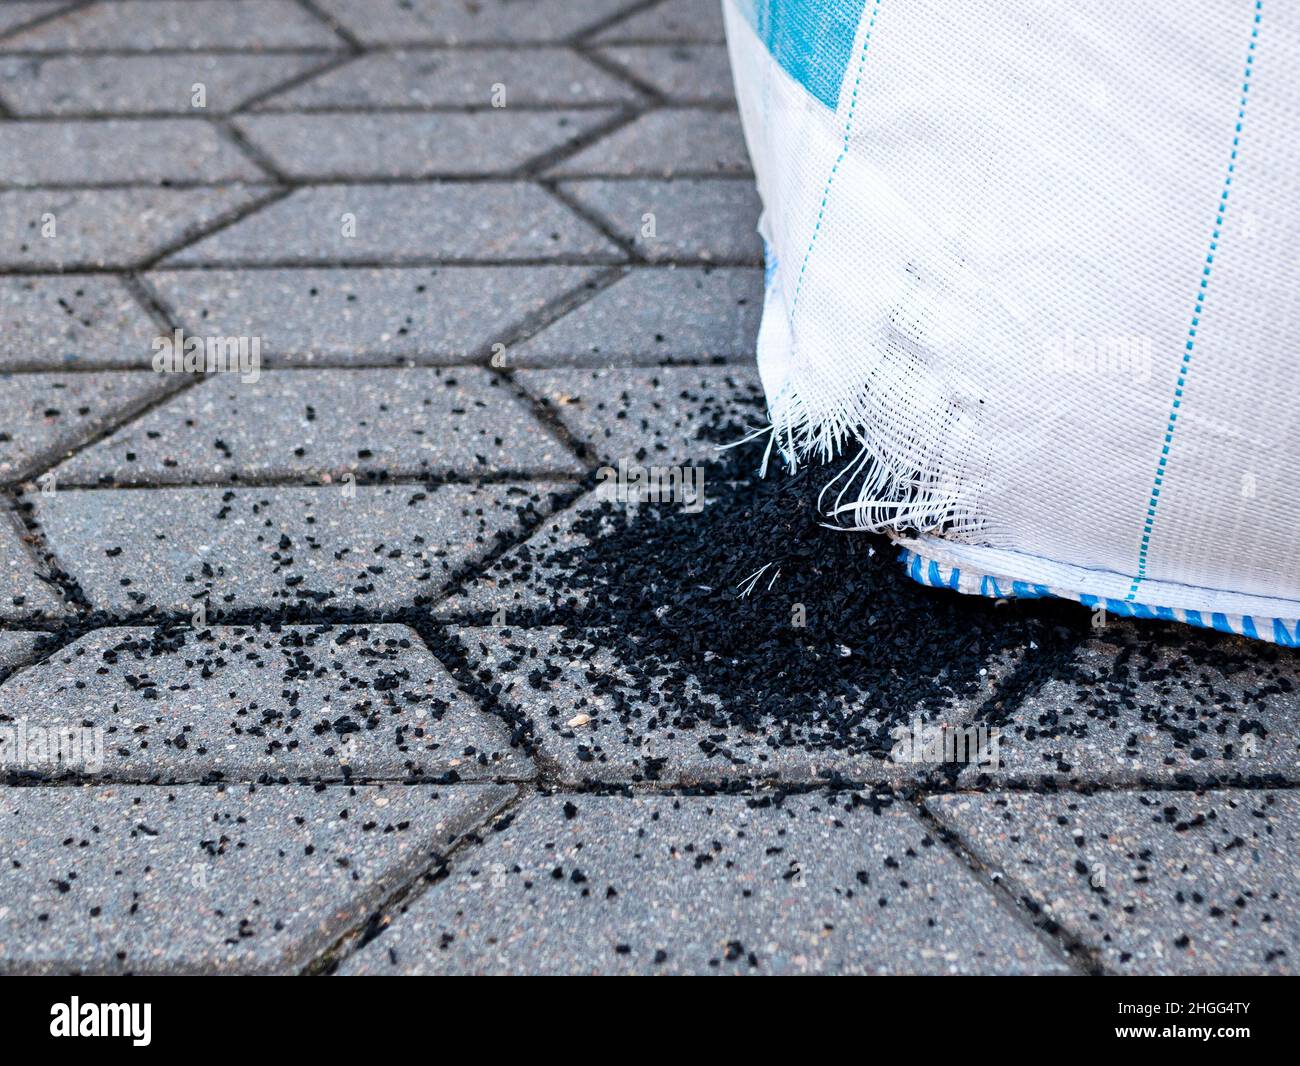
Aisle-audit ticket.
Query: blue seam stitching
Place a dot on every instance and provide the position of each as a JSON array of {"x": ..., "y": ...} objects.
[
  {"x": 844, "y": 151},
  {"x": 1149, "y": 524}
]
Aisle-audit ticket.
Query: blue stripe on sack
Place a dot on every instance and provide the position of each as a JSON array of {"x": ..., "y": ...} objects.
[
  {"x": 1023, "y": 590},
  {"x": 1149, "y": 523},
  {"x": 769, "y": 266},
  {"x": 811, "y": 39},
  {"x": 928, "y": 572}
]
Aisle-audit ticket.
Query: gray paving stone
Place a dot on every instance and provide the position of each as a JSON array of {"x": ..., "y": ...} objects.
[
  {"x": 450, "y": 77},
  {"x": 665, "y": 143},
  {"x": 693, "y": 218},
  {"x": 125, "y": 84},
  {"x": 1141, "y": 706},
  {"x": 646, "y": 416},
  {"x": 421, "y": 314},
  {"x": 107, "y": 227},
  {"x": 400, "y": 223},
  {"x": 189, "y": 879},
  {"x": 402, "y": 144},
  {"x": 655, "y": 316},
  {"x": 305, "y": 423},
  {"x": 16, "y": 13},
  {"x": 67, "y": 320},
  {"x": 16, "y": 648},
  {"x": 44, "y": 415},
  {"x": 685, "y": 73},
  {"x": 703, "y": 884},
  {"x": 146, "y": 25},
  {"x": 1154, "y": 882},
  {"x": 119, "y": 150},
  {"x": 302, "y": 551},
  {"x": 443, "y": 22},
  {"x": 672, "y": 20},
  {"x": 599, "y": 716},
  {"x": 236, "y": 703},
  {"x": 22, "y": 594}
]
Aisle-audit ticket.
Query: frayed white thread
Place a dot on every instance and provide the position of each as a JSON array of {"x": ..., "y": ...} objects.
[
  {"x": 888, "y": 487},
  {"x": 746, "y": 585},
  {"x": 753, "y": 435}
]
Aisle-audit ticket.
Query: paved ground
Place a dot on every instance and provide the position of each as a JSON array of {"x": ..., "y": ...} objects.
[{"x": 265, "y": 625}]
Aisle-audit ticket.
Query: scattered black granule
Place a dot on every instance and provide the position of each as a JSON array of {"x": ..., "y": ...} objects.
[{"x": 813, "y": 635}]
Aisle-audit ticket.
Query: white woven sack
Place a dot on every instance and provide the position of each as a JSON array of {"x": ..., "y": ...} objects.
[{"x": 1035, "y": 267}]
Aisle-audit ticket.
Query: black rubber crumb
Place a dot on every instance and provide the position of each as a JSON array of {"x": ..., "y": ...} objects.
[{"x": 829, "y": 647}]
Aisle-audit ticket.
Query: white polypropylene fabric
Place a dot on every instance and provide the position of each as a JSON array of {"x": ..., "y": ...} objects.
[{"x": 1037, "y": 265}]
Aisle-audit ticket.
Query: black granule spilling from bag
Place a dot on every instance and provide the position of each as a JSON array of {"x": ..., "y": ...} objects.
[{"x": 832, "y": 646}]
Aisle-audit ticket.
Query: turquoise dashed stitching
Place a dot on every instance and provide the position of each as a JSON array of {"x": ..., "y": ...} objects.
[
  {"x": 1185, "y": 364},
  {"x": 826, "y": 192}
]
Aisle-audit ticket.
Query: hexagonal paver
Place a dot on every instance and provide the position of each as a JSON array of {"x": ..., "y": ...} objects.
[
  {"x": 1153, "y": 882},
  {"x": 70, "y": 229},
  {"x": 445, "y": 77},
  {"x": 701, "y": 884},
  {"x": 188, "y": 879},
  {"x": 690, "y": 218},
  {"x": 392, "y": 224},
  {"x": 46, "y": 415},
  {"x": 119, "y": 150},
  {"x": 305, "y": 423},
  {"x": 664, "y": 143},
  {"x": 300, "y": 550},
  {"x": 360, "y": 315},
  {"x": 238, "y": 703},
  {"x": 655, "y": 316},
  {"x": 343, "y": 144},
  {"x": 67, "y": 320},
  {"x": 147, "y": 25},
  {"x": 437, "y": 22},
  {"x": 125, "y": 84}
]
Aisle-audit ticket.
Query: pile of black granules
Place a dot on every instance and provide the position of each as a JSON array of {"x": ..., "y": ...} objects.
[{"x": 815, "y": 636}]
